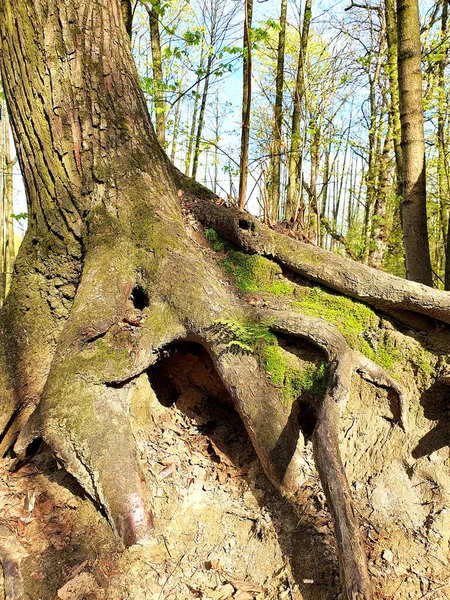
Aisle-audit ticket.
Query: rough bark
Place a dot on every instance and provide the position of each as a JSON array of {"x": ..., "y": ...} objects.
[
  {"x": 160, "y": 117},
  {"x": 275, "y": 170},
  {"x": 414, "y": 211},
  {"x": 294, "y": 164},
  {"x": 98, "y": 292},
  {"x": 381, "y": 290},
  {"x": 392, "y": 71}
]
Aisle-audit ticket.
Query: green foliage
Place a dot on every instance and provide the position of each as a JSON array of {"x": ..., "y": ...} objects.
[
  {"x": 19, "y": 216},
  {"x": 215, "y": 240},
  {"x": 247, "y": 336},
  {"x": 253, "y": 273}
]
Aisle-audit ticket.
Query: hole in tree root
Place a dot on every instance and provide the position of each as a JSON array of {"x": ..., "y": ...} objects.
[
  {"x": 246, "y": 225},
  {"x": 139, "y": 297},
  {"x": 306, "y": 417}
]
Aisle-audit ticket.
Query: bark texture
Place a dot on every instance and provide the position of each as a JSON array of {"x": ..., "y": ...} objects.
[
  {"x": 414, "y": 209},
  {"x": 110, "y": 274}
]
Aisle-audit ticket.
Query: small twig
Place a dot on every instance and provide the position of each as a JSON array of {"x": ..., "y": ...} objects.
[
  {"x": 436, "y": 591},
  {"x": 170, "y": 575}
]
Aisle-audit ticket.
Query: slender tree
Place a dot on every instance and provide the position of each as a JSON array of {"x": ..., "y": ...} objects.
[
  {"x": 294, "y": 160},
  {"x": 414, "y": 210},
  {"x": 153, "y": 9},
  {"x": 275, "y": 168},
  {"x": 246, "y": 102}
]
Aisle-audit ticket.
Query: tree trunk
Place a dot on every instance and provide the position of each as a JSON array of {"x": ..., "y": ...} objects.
[
  {"x": 160, "y": 107},
  {"x": 246, "y": 104},
  {"x": 294, "y": 163},
  {"x": 275, "y": 171},
  {"x": 414, "y": 210},
  {"x": 201, "y": 116},
  {"x": 110, "y": 273},
  {"x": 392, "y": 71}
]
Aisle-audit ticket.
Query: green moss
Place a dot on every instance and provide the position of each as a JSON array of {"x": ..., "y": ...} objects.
[
  {"x": 293, "y": 381},
  {"x": 352, "y": 318},
  {"x": 215, "y": 240},
  {"x": 250, "y": 272},
  {"x": 253, "y": 273},
  {"x": 256, "y": 338}
]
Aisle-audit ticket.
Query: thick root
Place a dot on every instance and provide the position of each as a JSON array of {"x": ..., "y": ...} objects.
[
  {"x": 270, "y": 423},
  {"x": 381, "y": 290},
  {"x": 344, "y": 362}
]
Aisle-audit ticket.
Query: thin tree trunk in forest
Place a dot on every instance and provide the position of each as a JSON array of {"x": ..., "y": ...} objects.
[
  {"x": 246, "y": 103},
  {"x": 7, "y": 250},
  {"x": 275, "y": 171},
  {"x": 10, "y": 253},
  {"x": 374, "y": 148},
  {"x": 392, "y": 71},
  {"x": 379, "y": 240},
  {"x": 443, "y": 167},
  {"x": 216, "y": 146},
  {"x": 187, "y": 164},
  {"x": 201, "y": 118},
  {"x": 176, "y": 127},
  {"x": 414, "y": 209},
  {"x": 294, "y": 166},
  {"x": 153, "y": 11},
  {"x": 2, "y": 201}
]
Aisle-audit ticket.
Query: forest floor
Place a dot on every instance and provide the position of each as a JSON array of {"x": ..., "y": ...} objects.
[{"x": 222, "y": 531}]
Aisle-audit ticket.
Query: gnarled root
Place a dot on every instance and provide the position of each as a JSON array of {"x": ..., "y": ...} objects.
[
  {"x": 399, "y": 297},
  {"x": 343, "y": 363}
]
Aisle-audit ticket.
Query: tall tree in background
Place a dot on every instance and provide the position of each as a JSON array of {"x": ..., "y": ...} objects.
[
  {"x": 246, "y": 103},
  {"x": 392, "y": 71},
  {"x": 153, "y": 8},
  {"x": 7, "y": 251},
  {"x": 275, "y": 163},
  {"x": 295, "y": 156},
  {"x": 414, "y": 209}
]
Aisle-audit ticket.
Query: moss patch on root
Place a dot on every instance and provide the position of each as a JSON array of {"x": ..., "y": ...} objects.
[
  {"x": 294, "y": 381},
  {"x": 359, "y": 324},
  {"x": 250, "y": 272},
  {"x": 361, "y": 327},
  {"x": 281, "y": 367}
]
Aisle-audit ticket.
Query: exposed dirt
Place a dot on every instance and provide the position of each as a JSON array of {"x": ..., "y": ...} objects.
[{"x": 222, "y": 531}]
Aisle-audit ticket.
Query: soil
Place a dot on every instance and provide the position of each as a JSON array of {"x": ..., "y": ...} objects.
[{"x": 222, "y": 530}]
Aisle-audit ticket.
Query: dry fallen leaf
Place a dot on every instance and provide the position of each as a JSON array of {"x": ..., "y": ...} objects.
[{"x": 78, "y": 587}]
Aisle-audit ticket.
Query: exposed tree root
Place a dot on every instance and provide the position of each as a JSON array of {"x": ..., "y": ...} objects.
[
  {"x": 343, "y": 363},
  {"x": 381, "y": 290}
]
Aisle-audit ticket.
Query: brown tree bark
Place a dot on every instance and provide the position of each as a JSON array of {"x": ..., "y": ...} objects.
[
  {"x": 246, "y": 104},
  {"x": 109, "y": 274},
  {"x": 153, "y": 11},
  {"x": 295, "y": 162},
  {"x": 414, "y": 210},
  {"x": 275, "y": 170}
]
